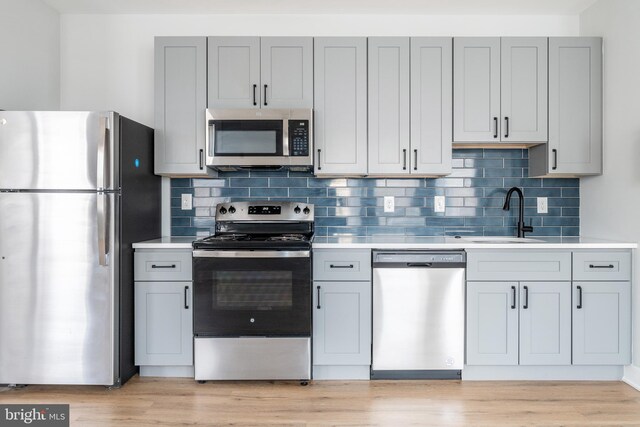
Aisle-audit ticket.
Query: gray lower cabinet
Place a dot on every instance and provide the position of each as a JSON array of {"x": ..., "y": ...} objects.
[
  {"x": 180, "y": 100},
  {"x": 409, "y": 105},
  {"x": 340, "y": 105},
  {"x": 260, "y": 72},
  {"x": 163, "y": 312},
  {"x": 341, "y": 313},
  {"x": 342, "y": 323},
  {"x": 575, "y": 110},
  {"x": 500, "y": 89},
  {"x": 602, "y": 323},
  {"x": 492, "y": 323},
  {"x": 163, "y": 323},
  {"x": 525, "y": 323}
]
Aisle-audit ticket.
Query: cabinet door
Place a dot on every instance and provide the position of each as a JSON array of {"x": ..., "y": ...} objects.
[
  {"x": 180, "y": 101},
  {"x": 431, "y": 105},
  {"x": 234, "y": 72},
  {"x": 476, "y": 89},
  {"x": 545, "y": 323},
  {"x": 575, "y": 105},
  {"x": 342, "y": 323},
  {"x": 340, "y": 105},
  {"x": 601, "y": 323},
  {"x": 163, "y": 323},
  {"x": 524, "y": 89},
  {"x": 286, "y": 72},
  {"x": 492, "y": 323},
  {"x": 388, "y": 105}
]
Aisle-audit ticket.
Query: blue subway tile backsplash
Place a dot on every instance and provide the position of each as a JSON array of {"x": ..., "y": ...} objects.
[{"x": 475, "y": 192}]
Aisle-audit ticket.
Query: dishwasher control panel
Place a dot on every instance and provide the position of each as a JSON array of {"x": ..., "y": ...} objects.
[{"x": 408, "y": 257}]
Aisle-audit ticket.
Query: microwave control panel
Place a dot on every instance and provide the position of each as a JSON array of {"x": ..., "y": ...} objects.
[{"x": 299, "y": 138}]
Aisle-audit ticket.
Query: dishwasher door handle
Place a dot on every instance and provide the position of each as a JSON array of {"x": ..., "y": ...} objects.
[{"x": 419, "y": 264}]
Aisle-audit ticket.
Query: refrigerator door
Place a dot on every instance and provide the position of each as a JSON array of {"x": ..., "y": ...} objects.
[
  {"x": 58, "y": 150},
  {"x": 58, "y": 261}
]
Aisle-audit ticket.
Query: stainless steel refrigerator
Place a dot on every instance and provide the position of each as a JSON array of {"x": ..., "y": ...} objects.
[{"x": 76, "y": 189}]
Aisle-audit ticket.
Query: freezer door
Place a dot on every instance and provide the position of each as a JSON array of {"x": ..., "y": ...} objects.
[
  {"x": 58, "y": 150},
  {"x": 57, "y": 293}
]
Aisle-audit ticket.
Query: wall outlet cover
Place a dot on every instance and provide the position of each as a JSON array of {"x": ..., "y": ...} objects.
[
  {"x": 389, "y": 204},
  {"x": 438, "y": 204},
  {"x": 543, "y": 205},
  {"x": 186, "y": 202}
]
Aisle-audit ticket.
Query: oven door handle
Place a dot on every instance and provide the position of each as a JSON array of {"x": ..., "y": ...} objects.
[{"x": 251, "y": 254}]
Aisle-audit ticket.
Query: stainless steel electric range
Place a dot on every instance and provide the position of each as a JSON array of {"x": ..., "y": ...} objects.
[{"x": 252, "y": 293}]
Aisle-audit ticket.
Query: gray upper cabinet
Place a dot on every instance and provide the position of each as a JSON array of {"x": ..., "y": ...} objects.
[
  {"x": 476, "y": 89},
  {"x": 254, "y": 72},
  {"x": 500, "y": 89},
  {"x": 286, "y": 72},
  {"x": 523, "y": 77},
  {"x": 180, "y": 100},
  {"x": 410, "y": 106},
  {"x": 602, "y": 323},
  {"x": 340, "y": 105},
  {"x": 234, "y": 72},
  {"x": 388, "y": 105},
  {"x": 575, "y": 110},
  {"x": 431, "y": 105}
]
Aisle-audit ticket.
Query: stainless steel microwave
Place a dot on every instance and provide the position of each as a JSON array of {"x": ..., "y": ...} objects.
[{"x": 259, "y": 138}]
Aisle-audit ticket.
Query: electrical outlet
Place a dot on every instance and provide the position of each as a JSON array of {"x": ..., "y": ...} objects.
[
  {"x": 187, "y": 202},
  {"x": 438, "y": 203},
  {"x": 389, "y": 204},
  {"x": 543, "y": 205}
]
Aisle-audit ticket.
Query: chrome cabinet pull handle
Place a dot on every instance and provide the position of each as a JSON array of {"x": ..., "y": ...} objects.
[
  {"x": 415, "y": 160},
  {"x": 319, "y": 164},
  {"x": 404, "y": 159},
  {"x": 513, "y": 297}
]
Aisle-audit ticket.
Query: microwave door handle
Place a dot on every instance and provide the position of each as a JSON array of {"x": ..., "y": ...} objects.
[
  {"x": 285, "y": 137},
  {"x": 209, "y": 138}
]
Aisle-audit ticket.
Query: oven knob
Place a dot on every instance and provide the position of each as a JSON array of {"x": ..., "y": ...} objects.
[
  {"x": 307, "y": 211},
  {"x": 297, "y": 209},
  {"x": 223, "y": 210},
  {"x": 232, "y": 209}
]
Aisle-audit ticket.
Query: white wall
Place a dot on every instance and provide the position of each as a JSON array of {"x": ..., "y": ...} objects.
[
  {"x": 30, "y": 62},
  {"x": 107, "y": 60},
  {"x": 610, "y": 204}
]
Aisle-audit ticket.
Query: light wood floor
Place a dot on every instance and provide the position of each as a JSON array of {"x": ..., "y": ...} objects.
[{"x": 173, "y": 402}]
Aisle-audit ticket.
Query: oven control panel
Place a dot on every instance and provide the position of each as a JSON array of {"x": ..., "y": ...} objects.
[
  {"x": 270, "y": 211},
  {"x": 265, "y": 210}
]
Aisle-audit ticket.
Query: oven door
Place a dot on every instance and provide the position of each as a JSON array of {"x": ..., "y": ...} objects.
[{"x": 252, "y": 293}]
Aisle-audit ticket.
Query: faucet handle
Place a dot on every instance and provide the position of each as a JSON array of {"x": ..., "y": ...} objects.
[{"x": 528, "y": 228}]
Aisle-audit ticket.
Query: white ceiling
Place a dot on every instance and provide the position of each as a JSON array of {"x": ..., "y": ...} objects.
[{"x": 427, "y": 7}]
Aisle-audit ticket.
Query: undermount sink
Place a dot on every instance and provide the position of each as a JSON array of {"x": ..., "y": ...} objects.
[{"x": 499, "y": 239}]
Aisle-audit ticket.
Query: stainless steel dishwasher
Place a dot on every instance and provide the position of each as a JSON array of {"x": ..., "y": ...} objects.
[{"x": 418, "y": 314}]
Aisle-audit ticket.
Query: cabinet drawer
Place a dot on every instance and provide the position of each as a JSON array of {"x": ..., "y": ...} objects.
[
  {"x": 519, "y": 265},
  {"x": 597, "y": 265},
  {"x": 162, "y": 265},
  {"x": 342, "y": 264}
]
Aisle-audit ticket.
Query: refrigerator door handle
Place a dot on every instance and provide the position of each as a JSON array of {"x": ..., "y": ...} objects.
[
  {"x": 103, "y": 228},
  {"x": 102, "y": 154}
]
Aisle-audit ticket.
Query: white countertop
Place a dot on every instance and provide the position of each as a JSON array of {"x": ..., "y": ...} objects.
[
  {"x": 424, "y": 242},
  {"x": 167, "y": 242},
  {"x": 420, "y": 242}
]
